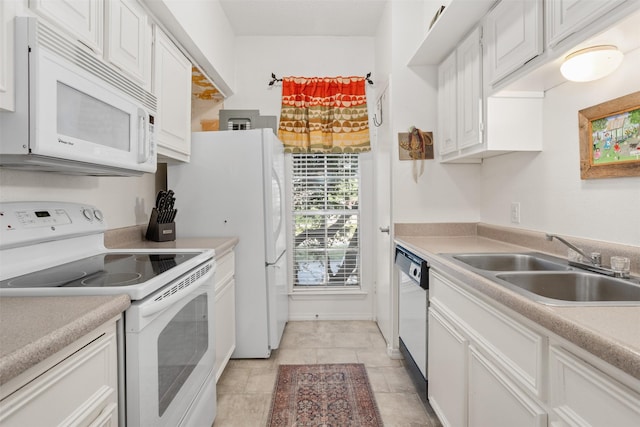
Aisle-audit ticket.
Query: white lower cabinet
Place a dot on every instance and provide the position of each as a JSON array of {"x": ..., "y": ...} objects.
[
  {"x": 495, "y": 400},
  {"x": 484, "y": 369},
  {"x": 582, "y": 395},
  {"x": 447, "y": 390},
  {"x": 491, "y": 367},
  {"x": 225, "y": 311},
  {"x": 77, "y": 386}
]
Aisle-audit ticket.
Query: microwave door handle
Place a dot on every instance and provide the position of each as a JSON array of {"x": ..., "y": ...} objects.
[{"x": 144, "y": 151}]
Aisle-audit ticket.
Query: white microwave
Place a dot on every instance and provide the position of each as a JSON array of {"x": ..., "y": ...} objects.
[{"x": 74, "y": 114}]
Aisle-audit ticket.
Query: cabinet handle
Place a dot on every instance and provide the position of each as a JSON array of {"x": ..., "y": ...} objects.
[
  {"x": 384, "y": 229},
  {"x": 104, "y": 416}
]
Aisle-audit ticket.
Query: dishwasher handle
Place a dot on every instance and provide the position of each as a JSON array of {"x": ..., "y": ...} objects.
[{"x": 424, "y": 275}]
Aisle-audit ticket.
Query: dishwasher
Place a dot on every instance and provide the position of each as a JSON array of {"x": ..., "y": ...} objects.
[{"x": 413, "y": 278}]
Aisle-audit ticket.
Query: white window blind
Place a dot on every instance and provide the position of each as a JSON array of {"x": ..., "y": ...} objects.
[{"x": 326, "y": 217}]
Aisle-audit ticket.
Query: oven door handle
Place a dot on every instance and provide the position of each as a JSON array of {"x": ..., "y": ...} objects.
[{"x": 159, "y": 302}]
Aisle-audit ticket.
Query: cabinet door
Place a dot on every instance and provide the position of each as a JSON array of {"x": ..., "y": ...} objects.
[
  {"x": 83, "y": 19},
  {"x": 513, "y": 34},
  {"x": 7, "y": 85},
  {"x": 565, "y": 17},
  {"x": 583, "y": 395},
  {"x": 128, "y": 38},
  {"x": 172, "y": 86},
  {"x": 495, "y": 401},
  {"x": 469, "y": 91},
  {"x": 447, "y": 74},
  {"x": 225, "y": 324},
  {"x": 447, "y": 371}
]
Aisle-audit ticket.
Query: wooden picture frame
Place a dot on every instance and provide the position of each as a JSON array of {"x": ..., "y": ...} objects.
[{"x": 610, "y": 138}]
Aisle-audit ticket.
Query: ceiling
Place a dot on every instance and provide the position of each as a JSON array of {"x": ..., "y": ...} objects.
[{"x": 304, "y": 17}]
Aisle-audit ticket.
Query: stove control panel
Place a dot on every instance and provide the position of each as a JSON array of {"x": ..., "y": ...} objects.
[
  {"x": 42, "y": 218},
  {"x": 23, "y": 223}
]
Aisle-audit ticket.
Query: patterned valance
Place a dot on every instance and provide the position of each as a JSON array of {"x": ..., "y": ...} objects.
[{"x": 324, "y": 115}]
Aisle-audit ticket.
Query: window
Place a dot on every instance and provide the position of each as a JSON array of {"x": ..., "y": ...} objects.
[{"x": 326, "y": 219}]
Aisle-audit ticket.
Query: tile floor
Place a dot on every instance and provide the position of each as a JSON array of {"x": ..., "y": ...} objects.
[{"x": 244, "y": 389}]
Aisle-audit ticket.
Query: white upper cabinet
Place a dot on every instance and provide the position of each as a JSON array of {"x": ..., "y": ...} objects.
[
  {"x": 513, "y": 33},
  {"x": 83, "y": 19},
  {"x": 469, "y": 90},
  {"x": 172, "y": 87},
  {"x": 7, "y": 93},
  {"x": 460, "y": 97},
  {"x": 118, "y": 31},
  {"x": 128, "y": 39},
  {"x": 565, "y": 17},
  {"x": 447, "y": 80}
]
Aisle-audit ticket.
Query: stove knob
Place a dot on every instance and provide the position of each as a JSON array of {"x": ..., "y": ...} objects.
[
  {"x": 87, "y": 214},
  {"x": 98, "y": 214}
]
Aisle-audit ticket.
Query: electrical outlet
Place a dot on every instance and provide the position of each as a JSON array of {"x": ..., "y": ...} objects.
[{"x": 515, "y": 212}]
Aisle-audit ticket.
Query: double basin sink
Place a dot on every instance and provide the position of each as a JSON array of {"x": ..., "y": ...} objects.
[{"x": 550, "y": 280}]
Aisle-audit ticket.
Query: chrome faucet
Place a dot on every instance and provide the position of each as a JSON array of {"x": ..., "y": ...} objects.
[{"x": 595, "y": 258}]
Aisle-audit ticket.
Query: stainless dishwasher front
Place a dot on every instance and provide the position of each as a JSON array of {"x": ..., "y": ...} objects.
[{"x": 413, "y": 278}]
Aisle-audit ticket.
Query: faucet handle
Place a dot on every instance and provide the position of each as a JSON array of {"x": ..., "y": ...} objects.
[
  {"x": 596, "y": 258},
  {"x": 620, "y": 266}
]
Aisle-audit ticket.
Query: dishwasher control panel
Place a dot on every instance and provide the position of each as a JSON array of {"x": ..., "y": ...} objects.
[{"x": 413, "y": 266}]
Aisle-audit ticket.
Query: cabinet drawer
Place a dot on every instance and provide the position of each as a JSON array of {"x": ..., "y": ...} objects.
[
  {"x": 225, "y": 267},
  {"x": 79, "y": 390},
  {"x": 582, "y": 395},
  {"x": 520, "y": 350}
]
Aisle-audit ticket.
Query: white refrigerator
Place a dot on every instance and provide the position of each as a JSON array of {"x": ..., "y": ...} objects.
[{"x": 233, "y": 186}]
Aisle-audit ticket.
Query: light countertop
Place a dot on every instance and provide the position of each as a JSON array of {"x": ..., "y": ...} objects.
[
  {"x": 610, "y": 333},
  {"x": 220, "y": 245},
  {"x": 34, "y": 328}
]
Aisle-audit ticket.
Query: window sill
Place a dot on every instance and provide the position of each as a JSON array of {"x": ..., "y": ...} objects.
[{"x": 311, "y": 294}]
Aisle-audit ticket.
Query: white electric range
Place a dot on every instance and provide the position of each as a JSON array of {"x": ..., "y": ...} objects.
[{"x": 168, "y": 354}]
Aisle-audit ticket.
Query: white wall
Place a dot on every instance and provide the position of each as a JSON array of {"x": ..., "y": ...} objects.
[
  {"x": 256, "y": 59},
  {"x": 553, "y": 198},
  {"x": 444, "y": 192},
  {"x": 125, "y": 201}
]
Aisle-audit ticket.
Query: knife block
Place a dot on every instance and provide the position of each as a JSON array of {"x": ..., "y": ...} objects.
[{"x": 160, "y": 232}]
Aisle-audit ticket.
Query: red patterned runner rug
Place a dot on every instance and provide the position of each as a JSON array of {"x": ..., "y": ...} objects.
[{"x": 332, "y": 395}]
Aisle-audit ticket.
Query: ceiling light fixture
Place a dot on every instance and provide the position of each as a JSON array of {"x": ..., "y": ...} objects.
[{"x": 592, "y": 63}]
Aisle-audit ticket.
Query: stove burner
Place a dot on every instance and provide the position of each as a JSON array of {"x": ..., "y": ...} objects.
[
  {"x": 46, "y": 279},
  {"x": 111, "y": 279}
]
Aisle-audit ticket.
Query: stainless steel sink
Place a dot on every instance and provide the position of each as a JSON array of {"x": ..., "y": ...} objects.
[
  {"x": 573, "y": 286},
  {"x": 510, "y": 262},
  {"x": 550, "y": 280}
]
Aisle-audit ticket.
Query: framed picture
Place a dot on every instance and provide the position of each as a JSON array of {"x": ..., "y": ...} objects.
[{"x": 610, "y": 138}]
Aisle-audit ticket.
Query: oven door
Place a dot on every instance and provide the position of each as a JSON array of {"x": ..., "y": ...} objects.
[{"x": 170, "y": 354}]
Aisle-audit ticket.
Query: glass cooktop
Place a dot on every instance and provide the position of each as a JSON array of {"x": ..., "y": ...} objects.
[{"x": 103, "y": 270}]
